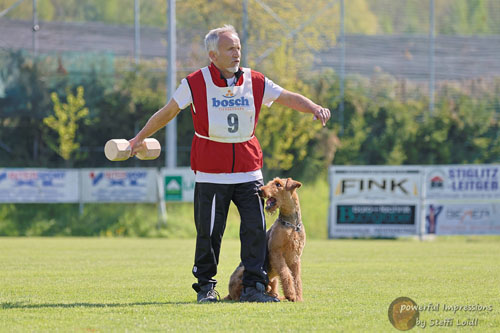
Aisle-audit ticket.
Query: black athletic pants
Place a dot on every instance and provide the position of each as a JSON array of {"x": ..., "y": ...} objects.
[{"x": 211, "y": 205}]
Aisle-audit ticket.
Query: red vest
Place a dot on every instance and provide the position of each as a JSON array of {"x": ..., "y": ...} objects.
[{"x": 218, "y": 157}]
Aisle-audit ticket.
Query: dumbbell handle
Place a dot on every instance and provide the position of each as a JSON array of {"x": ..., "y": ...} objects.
[{"x": 120, "y": 150}]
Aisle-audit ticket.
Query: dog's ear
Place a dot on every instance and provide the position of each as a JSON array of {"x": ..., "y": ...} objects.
[{"x": 292, "y": 184}]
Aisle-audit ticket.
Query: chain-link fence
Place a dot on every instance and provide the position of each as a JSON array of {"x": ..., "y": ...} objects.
[{"x": 418, "y": 49}]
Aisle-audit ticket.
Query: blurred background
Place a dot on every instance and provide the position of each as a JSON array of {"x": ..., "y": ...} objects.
[{"x": 408, "y": 82}]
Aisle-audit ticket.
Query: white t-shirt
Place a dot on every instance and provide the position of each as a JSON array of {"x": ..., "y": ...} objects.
[
  {"x": 183, "y": 98},
  {"x": 183, "y": 94}
]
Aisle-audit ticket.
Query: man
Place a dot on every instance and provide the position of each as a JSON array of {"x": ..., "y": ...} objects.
[{"x": 226, "y": 157}]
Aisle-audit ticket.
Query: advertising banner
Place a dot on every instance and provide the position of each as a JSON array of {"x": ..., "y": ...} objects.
[
  {"x": 374, "y": 201},
  {"x": 119, "y": 185},
  {"x": 462, "y": 219},
  {"x": 462, "y": 182},
  {"x": 178, "y": 184},
  {"x": 462, "y": 199},
  {"x": 38, "y": 186}
]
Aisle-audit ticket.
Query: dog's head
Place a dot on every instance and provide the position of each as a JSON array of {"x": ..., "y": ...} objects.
[{"x": 278, "y": 192}]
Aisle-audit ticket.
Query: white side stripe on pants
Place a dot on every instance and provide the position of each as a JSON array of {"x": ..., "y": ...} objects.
[
  {"x": 262, "y": 213},
  {"x": 212, "y": 217}
]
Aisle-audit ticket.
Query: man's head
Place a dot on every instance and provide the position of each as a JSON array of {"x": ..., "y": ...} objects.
[{"x": 224, "y": 49}]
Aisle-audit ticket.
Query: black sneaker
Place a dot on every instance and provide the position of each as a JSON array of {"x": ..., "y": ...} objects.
[
  {"x": 257, "y": 294},
  {"x": 206, "y": 293}
]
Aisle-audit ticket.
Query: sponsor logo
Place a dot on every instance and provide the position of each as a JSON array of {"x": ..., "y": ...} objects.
[
  {"x": 173, "y": 188},
  {"x": 473, "y": 173},
  {"x": 96, "y": 178},
  {"x": 230, "y": 101},
  {"x": 376, "y": 214},
  {"x": 229, "y": 94},
  {"x": 465, "y": 182},
  {"x": 48, "y": 178},
  {"x": 33, "y": 178},
  {"x": 464, "y": 214},
  {"x": 454, "y": 216},
  {"x": 436, "y": 180},
  {"x": 473, "y": 179},
  {"x": 27, "y": 178},
  {"x": 25, "y": 183},
  {"x": 118, "y": 178},
  {"x": 356, "y": 185},
  {"x": 432, "y": 218}
]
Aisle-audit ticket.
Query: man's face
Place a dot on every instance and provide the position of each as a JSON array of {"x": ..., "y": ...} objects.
[{"x": 228, "y": 57}]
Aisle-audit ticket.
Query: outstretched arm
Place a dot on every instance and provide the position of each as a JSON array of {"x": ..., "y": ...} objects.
[
  {"x": 157, "y": 121},
  {"x": 303, "y": 104}
]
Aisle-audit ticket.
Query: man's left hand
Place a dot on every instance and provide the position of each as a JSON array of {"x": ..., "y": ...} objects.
[{"x": 322, "y": 114}]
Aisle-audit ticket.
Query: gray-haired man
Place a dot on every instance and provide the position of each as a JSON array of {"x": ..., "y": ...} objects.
[{"x": 226, "y": 157}]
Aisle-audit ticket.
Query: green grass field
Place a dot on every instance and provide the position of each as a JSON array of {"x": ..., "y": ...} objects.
[{"x": 123, "y": 284}]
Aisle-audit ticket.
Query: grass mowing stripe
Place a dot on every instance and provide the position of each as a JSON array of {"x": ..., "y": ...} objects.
[{"x": 99, "y": 284}]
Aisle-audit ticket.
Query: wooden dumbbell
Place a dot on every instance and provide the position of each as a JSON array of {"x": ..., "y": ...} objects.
[{"x": 119, "y": 149}]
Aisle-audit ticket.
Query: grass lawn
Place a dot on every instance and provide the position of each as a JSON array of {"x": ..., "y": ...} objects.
[{"x": 123, "y": 284}]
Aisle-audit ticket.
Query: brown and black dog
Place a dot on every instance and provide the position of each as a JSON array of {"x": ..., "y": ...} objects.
[{"x": 285, "y": 240}]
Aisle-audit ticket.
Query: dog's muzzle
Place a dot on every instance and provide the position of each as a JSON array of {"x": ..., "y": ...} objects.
[{"x": 270, "y": 203}]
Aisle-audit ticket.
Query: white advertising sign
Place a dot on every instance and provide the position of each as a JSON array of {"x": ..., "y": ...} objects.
[
  {"x": 38, "y": 186},
  {"x": 119, "y": 185},
  {"x": 462, "y": 182},
  {"x": 374, "y": 201},
  {"x": 462, "y": 199},
  {"x": 462, "y": 219},
  {"x": 178, "y": 184}
]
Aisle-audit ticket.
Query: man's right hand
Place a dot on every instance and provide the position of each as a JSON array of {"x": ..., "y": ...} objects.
[{"x": 135, "y": 145}]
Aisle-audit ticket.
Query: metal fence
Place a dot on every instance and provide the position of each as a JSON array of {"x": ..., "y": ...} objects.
[{"x": 418, "y": 48}]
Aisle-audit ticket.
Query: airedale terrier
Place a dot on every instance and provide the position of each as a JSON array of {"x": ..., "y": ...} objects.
[{"x": 285, "y": 240}]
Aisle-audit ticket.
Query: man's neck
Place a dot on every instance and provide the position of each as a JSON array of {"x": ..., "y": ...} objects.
[
  {"x": 219, "y": 76},
  {"x": 224, "y": 73}
]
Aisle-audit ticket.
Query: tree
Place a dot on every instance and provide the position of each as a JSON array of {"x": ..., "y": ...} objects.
[
  {"x": 24, "y": 103},
  {"x": 65, "y": 122},
  {"x": 284, "y": 134}
]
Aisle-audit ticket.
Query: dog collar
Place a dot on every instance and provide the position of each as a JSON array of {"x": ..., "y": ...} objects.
[{"x": 297, "y": 227}]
